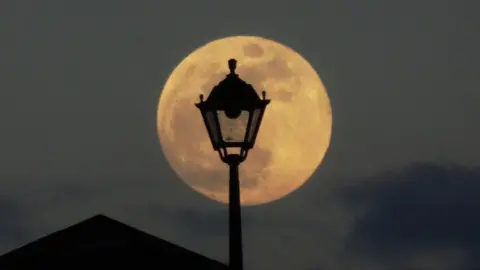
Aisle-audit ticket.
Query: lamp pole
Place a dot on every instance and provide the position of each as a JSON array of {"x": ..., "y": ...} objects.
[
  {"x": 230, "y": 98},
  {"x": 235, "y": 214}
]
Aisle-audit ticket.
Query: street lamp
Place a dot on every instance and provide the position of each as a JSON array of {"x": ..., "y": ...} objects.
[{"x": 232, "y": 114}]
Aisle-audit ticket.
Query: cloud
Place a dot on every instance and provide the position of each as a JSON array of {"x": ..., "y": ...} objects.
[
  {"x": 424, "y": 216},
  {"x": 13, "y": 229},
  {"x": 420, "y": 217}
]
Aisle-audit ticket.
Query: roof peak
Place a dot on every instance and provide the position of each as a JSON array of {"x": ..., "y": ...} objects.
[{"x": 101, "y": 234}]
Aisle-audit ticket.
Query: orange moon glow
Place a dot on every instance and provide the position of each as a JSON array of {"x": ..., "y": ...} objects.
[{"x": 294, "y": 134}]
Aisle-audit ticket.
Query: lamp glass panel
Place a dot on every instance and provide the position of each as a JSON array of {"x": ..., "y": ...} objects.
[{"x": 233, "y": 130}]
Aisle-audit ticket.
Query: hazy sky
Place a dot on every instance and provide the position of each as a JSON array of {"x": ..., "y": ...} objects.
[{"x": 79, "y": 87}]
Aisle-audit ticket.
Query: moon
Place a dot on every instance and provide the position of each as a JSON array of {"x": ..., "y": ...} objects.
[{"x": 294, "y": 134}]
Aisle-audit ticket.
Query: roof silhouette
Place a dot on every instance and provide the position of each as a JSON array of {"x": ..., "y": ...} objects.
[{"x": 100, "y": 240}]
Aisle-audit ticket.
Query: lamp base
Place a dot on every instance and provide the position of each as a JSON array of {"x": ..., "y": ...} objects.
[{"x": 233, "y": 159}]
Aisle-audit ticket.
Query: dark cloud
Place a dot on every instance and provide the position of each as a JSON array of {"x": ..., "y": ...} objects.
[
  {"x": 215, "y": 222},
  {"x": 13, "y": 228},
  {"x": 420, "y": 209},
  {"x": 421, "y": 213},
  {"x": 422, "y": 217},
  {"x": 207, "y": 223}
]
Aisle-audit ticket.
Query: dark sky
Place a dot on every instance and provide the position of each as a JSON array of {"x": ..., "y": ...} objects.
[{"x": 79, "y": 87}]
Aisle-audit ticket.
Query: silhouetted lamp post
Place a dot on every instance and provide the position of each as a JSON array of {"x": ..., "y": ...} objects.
[{"x": 232, "y": 114}]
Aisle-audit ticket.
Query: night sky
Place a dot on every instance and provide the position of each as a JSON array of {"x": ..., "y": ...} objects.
[{"x": 79, "y": 88}]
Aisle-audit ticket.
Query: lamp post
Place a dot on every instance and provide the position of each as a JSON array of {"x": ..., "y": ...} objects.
[{"x": 232, "y": 114}]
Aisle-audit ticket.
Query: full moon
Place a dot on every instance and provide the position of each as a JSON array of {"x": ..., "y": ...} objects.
[{"x": 294, "y": 134}]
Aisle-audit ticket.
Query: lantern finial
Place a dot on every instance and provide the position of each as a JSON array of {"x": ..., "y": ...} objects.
[{"x": 232, "y": 65}]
